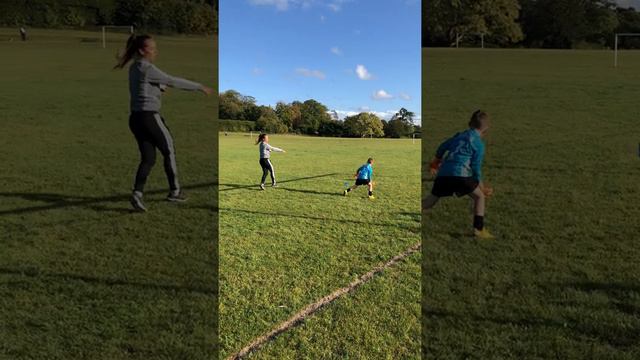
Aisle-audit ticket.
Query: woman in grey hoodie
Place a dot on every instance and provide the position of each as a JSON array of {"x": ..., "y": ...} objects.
[
  {"x": 146, "y": 84},
  {"x": 265, "y": 159}
]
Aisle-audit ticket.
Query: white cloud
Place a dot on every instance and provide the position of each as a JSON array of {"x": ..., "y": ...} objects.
[
  {"x": 322, "y": 18},
  {"x": 404, "y": 96},
  {"x": 281, "y": 5},
  {"x": 336, "y": 5},
  {"x": 363, "y": 73},
  {"x": 381, "y": 95},
  {"x": 310, "y": 73},
  {"x": 386, "y": 115},
  {"x": 336, "y": 50},
  {"x": 257, "y": 71}
]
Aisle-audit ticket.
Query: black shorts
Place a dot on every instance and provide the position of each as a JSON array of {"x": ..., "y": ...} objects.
[
  {"x": 362, "y": 181},
  {"x": 448, "y": 185}
]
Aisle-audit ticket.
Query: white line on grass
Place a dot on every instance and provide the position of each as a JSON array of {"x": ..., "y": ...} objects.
[{"x": 298, "y": 318}]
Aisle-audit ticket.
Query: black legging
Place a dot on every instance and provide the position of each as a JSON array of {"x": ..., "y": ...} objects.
[
  {"x": 151, "y": 132},
  {"x": 267, "y": 167}
]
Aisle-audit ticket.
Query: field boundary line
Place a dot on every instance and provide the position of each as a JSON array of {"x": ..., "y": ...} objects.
[{"x": 310, "y": 309}]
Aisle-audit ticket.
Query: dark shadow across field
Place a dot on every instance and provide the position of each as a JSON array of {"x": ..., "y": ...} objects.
[
  {"x": 37, "y": 273},
  {"x": 255, "y": 186},
  {"x": 57, "y": 201},
  {"x": 415, "y": 229}
]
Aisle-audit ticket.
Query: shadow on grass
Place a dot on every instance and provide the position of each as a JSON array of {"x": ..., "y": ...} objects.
[
  {"x": 621, "y": 297},
  {"x": 58, "y": 201},
  {"x": 559, "y": 170},
  {"x": 255, "y": 186},
  {"x": 37, "y": 273},
  {"x": 414, "y": 229},
  {"x": 305, "y": 191}
]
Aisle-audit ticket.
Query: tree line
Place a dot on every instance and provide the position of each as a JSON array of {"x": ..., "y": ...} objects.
[
  {"x": 562, "y": 24},
  {"x": 159, "y": 16},
  {"x": 239, "y": 112}
]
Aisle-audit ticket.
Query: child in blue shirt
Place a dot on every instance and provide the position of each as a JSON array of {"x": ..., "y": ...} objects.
[
  {"x": 363, "y": 177},
  {"x": 458, "y": 163}
]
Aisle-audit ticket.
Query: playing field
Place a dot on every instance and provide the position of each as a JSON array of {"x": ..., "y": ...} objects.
[
  {"x": 284, "y": 248},
  {"x": 80, "y": 276},
  {"x": 561, "y": 279}
]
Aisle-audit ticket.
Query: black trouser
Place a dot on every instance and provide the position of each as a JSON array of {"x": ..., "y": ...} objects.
[
  {"x": 151, "y": 132},
  {"x": 267, "y": 168}
]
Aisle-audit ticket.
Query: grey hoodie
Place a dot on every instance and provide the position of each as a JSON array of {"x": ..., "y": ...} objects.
[
  {"x": 146, "y": 83},
  {"x": 266, "y": 149}
]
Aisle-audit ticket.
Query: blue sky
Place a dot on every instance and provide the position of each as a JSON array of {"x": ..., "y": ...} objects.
[{"x": 351, "y": 55}]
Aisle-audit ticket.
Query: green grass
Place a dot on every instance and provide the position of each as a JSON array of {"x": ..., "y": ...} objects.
[
  {"x": 282, "y": 249},
  {"x": 81, "y": 276},
  {"x": 561, "y": 279}
]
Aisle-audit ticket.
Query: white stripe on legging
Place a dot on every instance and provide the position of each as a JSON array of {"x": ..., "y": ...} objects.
[
  {"x": 172, "y": 152},
  {"x": 273, "y": 172}
]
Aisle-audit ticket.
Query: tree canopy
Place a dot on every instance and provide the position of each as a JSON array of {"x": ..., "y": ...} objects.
[
  {"x": 311, "y": 117},
  {"x": 528, "y": 23},
  {"x": 162, "y": 16}
]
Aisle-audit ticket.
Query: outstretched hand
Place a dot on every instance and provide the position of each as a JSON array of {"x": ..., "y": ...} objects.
[
  {"x": 487, "y": 190},
  {"x": 434, "y": 166},
  {"x": 207, "y": 90}
]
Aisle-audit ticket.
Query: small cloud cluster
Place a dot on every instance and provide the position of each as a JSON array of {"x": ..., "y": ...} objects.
[
  {"x": 381, "y": 95},
  {"x": 363, "y": 73},
  {"x": 283, "y": 5},
  {"x": 310, "y": 73}
]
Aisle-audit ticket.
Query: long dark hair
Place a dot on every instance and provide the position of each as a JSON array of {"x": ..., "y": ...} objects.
[
  {"x": 261, "y": 138},
  {"x": 134, "y": 44}
]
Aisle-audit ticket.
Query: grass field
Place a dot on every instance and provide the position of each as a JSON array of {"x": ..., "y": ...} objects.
[
  {"x": 284, "y": 248},
  {"x": 80, "y": 276},
  {"x": 562, "y": 279}
]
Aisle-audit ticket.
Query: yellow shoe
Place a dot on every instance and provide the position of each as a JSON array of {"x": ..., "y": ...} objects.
[
  {"x": 371, "y": 197},
  {"x": 345, "y": 193},
  {"x": 483, "y": 234}
]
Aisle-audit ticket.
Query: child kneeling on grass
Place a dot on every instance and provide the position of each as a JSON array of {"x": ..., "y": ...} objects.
[
  {"x": 458, "y": 163},
  {"x": 363, "y": 177}
]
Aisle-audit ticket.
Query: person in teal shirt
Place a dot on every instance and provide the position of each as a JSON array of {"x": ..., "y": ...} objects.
[
  {"x": 458, "y": 163},
  {"x": 363, "y": 177}
]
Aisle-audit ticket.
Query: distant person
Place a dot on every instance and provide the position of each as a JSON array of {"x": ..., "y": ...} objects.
[
  {"x": 23, "y": 34},
  {"x": 363, "y": 176},
  {"x": 265, "y": 159},
  {"x": 146, "y": 84},
  {"x": 458, "y": 164}
]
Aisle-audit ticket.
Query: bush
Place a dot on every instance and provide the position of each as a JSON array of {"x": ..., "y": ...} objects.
[{"x": 236, "y": 125}]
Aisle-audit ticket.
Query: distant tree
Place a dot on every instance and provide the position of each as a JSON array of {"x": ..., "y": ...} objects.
[
  {"x": 230, "y": 105},
  {"x": 332, "y": 128},
  {"x": 628, "y": 22},
  {"x": 296, "y": 117},
  {"x": 286, "y": 114},
  {"x": 445, "y": 19},
  {"x": 401, "y": 124},
  {"x": 269, "y": 122},
  {"x": 313, "y": 114},
  {"x": 251, "y": 111},
  {"x": 567, "y": 23},
  {"x": 363, "y": 124}
]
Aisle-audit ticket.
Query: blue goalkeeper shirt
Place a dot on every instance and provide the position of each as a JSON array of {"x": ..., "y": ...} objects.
[
  {"x": 462, "y": 155},
  {"x": 365, "y": 172}
]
